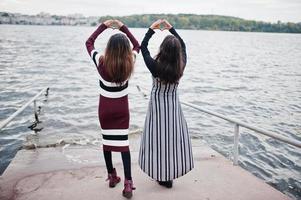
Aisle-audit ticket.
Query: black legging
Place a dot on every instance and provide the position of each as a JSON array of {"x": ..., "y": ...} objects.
[{"x": 126, "y": 159}]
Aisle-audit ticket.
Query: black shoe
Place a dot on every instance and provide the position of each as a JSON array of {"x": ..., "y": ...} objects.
[{"x": 167, "y": 184}]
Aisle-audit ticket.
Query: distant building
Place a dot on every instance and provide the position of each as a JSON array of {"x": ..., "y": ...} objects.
[{"x": 44, "y": 18}]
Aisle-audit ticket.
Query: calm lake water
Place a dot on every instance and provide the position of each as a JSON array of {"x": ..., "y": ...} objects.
[{"x": 254, "y": 77}]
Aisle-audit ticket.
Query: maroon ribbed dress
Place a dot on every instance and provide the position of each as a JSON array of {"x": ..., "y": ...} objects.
[{"x": 113, "y": 109}]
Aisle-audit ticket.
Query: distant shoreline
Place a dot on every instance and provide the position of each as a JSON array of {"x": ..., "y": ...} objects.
[
  {"x": 180, "y": 21},
  {"x": 147, "y": 28}
]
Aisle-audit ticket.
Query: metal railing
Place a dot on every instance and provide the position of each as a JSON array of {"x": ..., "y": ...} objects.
[
  {"x": 20, "y": 110},
  {"x": 237, "y": 124}
]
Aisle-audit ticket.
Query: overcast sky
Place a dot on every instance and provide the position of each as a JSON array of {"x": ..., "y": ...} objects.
[{"x": 265, "y": 10}]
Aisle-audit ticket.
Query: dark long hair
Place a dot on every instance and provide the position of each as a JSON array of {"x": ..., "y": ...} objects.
[
  {"x": 118, "y": 58},
  {"x": 169, "y": 60}
]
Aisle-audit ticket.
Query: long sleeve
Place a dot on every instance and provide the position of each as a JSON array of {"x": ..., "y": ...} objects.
[
  {"x": 149, "y": 61},
  {"x": 90, "y": 43},
  {"x": 173, "y": 31},
  {"x": 136, "y": 46}
]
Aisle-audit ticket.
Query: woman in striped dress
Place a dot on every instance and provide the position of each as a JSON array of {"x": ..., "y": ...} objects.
[
  {"x": 165, "y": 151},
  {"x": 115, "y": 67}
]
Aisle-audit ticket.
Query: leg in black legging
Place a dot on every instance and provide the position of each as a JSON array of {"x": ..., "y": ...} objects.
[
  {"x": 126, "y": 159},
  {"x": 108, "y": 159}
]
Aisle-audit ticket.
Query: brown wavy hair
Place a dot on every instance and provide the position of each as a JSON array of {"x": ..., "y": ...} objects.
[
  {"x": 118, "y": 58},
  {"x": 169, "y": 60}
]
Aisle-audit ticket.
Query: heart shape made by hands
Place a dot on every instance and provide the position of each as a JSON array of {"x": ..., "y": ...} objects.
[
  {"x": 160, "y": 24},
  {"x": 114, "y": 25},
  {"x": 164, "y": 25}
]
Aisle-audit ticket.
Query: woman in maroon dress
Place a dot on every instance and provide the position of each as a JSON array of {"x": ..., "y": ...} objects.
[{"x": 115, "y": 67}]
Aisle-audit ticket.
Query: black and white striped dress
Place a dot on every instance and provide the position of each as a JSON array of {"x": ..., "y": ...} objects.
[{"x": 165, "y": 151}]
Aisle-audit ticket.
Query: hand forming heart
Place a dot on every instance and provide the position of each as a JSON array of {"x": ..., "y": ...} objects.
[
  {"x": 113, "y": 23},
  {"x": 161, "y": 24}
]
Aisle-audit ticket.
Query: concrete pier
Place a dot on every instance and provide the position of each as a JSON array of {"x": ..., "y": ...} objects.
[{"x": 79, "y": 173}]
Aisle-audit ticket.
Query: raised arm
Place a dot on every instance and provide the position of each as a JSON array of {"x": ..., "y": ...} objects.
[
  {"x": 91, "y": 40},
  {"x": 149, "y": 61},
  {"x": 123, "y": 28},
  {"x": 173, "y": 31}
]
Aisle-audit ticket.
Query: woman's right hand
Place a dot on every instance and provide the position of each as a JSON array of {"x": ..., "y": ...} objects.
[
  {"x": 108, "y": 23},
  {"x": 156, "y": 24}
]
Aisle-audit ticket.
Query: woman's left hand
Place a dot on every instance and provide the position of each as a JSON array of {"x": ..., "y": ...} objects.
[
  {"x": 166, "y": 24},
  {"x": 118, "y": 23}
]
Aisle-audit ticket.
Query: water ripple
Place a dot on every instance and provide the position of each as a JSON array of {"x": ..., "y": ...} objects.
[{"x": 254, "y": 77}]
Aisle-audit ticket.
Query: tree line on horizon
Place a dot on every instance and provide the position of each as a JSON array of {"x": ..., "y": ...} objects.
[
  {"x": 207, "y": 22},
  {"x": 180, "y": 21}
]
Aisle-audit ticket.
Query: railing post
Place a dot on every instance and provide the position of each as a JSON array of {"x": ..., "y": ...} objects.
[
  {"x": 47, "y": 92},
  {"x": 235, "y": 147},
  {"x": 35, "y": 111},
  {"x": 35, "y": 106}
]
